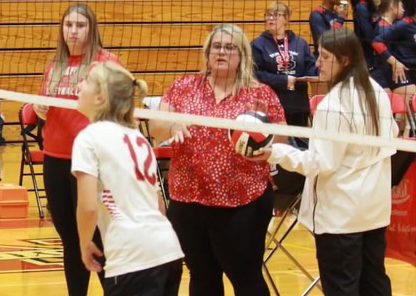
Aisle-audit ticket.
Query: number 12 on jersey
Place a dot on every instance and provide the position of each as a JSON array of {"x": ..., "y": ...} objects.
[{"x": 140, "y": 175}]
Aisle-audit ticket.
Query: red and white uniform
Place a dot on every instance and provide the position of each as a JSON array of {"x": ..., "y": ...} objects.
[
  {"x": 135, "y": 234},
  {"x": 62, "y": 125}
]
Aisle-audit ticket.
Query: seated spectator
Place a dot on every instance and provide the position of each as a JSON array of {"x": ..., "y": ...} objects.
[
  {"x": 389, "y": 11},
  {"x": 365, "y": 18},
  {"x": 396, "y": 47},
  {"x": 327, "y": 16},
  {"x": 280, "y": 57}
]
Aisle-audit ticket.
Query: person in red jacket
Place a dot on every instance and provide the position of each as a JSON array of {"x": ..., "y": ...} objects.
[{"x": 79, "y": 45}]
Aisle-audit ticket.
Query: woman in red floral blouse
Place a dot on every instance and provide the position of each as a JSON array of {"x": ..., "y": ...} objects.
[{"x": 221, "y": 203}]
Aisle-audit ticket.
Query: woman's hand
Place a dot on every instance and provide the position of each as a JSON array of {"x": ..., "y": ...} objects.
[
  {"x": 291, "y": 80},
  {"x": 89, "y": 254},
  {"x": 41, "y": 111},
  {"x": 399, "y": 74},
  {"x": 179, "y": 132}
]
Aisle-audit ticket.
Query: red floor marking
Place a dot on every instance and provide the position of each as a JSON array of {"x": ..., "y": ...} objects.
[
  {"x": 24, "y": 223},
  {"x": 18, "y": 267}
]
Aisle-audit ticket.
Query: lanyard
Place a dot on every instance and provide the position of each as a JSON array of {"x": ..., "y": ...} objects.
[{"x": 284, "y": 54}]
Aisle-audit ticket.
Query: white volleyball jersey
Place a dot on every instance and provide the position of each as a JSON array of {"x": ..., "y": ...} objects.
[{"x": 135, "y": 234}]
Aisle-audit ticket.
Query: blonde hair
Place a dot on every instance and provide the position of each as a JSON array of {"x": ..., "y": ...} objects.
[
  {"x": 245, "y": 75},
  {"x": 120, "y": 88},
  {"x": 281, "y": 7}
]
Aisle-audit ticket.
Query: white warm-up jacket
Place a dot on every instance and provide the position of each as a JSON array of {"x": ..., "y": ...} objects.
[{"x": 347, "y": 187}]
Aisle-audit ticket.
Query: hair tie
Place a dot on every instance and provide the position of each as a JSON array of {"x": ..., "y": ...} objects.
[{"x": 135, "y": 82}]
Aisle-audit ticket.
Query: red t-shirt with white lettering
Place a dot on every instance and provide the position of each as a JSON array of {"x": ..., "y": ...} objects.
[
  {"x": 62, "y": 125},
  {"x": 206, "y": 169}
]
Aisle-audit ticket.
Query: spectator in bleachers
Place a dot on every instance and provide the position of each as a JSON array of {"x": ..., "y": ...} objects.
[
  {"x": 330, "y": 15},
  {"x": 396, "y": 46},
  {"x": 365, "y": 18},
  {"x": 280, "y": 56},
  {"x": 389, "y": 11},
  {"x": 79, "y": 45}
]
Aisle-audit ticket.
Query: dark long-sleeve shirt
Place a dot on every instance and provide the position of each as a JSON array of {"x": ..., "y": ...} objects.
[
  {"x": 399, "y": 41},
  {"x": 364, "y": 27},
  {"x": 270, "y": 69},
  {"x": 321, "y": 20}
]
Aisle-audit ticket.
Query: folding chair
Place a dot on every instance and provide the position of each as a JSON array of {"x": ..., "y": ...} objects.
[
  {"x": 290, "y": 186},
  {"x": 163, "y": 154},
  {"x": 399, "y": 106},
  {"x": 412, "y": 109},
  {"x": 414, "y": 104},
  {"x": 314, "y": 102},
  {"x": 401, "y": 161},
  {"x": 279, "y": 242},
  {"x": 28, "y": 121}
]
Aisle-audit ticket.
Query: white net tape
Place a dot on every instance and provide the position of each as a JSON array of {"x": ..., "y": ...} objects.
[{"x": 276, "y": 129}]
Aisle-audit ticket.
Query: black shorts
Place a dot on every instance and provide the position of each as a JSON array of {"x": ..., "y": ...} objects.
[
  {"x": 162, "y": 280},
  {"x": 384, "y": 77}
]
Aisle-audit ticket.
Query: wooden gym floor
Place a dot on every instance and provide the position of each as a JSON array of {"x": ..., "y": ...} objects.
[{"x": 31, "y": 255}]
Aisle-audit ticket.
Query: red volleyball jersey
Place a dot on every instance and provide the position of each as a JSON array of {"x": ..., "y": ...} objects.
[{"x": 62, "y": 125}]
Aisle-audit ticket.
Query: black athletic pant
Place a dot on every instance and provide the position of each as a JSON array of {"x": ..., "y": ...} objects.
[
  {"x": 224, "y": 240},
  {"x": 162, "y": 280},
  {"x": 61, "y": 192},
  {"x": 353, "y": 264},
  {"x": 298, "y": 119}
]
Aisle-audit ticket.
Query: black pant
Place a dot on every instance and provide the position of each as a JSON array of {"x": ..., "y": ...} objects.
[
  {"x": 230, "y": 240},
  {"x": 298, "y": 119},
  {"x": 353, "y": 264},
  {"x": 162, "y": 280},
  {"x": 61, "y": 192}
]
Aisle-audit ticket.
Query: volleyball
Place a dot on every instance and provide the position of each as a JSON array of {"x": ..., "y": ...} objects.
[{"x": 249, "y": 143}]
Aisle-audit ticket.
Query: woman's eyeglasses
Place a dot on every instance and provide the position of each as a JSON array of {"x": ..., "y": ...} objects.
[
  {"x": 274, "y": 15},
  {"x": 226, "y": 47}
]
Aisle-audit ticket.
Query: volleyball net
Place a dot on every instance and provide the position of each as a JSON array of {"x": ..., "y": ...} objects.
[{"x": 158, "y": 41}]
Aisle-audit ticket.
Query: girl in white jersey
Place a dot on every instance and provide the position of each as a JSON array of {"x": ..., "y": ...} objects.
[
  {"x": 346, "y": 201},
  {"x": 111, "y": 156}
]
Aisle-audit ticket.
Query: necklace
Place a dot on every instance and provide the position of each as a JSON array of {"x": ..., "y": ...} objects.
[{"x": 284, "y": 53}]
